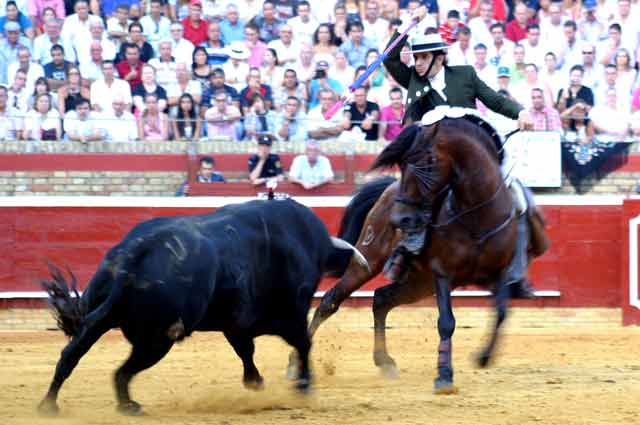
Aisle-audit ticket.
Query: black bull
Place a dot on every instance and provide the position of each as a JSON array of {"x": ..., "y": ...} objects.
[{"x": 246, "y": 270}]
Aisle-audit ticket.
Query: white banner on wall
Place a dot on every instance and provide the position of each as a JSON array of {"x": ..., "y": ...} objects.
[{"x": 535, "y": 157}]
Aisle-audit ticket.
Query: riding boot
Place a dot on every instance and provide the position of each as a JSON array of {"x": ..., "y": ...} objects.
[{"x": 516, "y": 275}]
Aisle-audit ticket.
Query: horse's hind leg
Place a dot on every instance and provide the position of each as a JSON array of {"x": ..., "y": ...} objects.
[
  {"x": 385, "y": 299},
  {"x": 144, "y": 354},
  {"x": 71, "y": 355},
  {"x": 446, "y": 325},
  {"x": 502, "y": 300},
  {"x": 244, "y": 347}
]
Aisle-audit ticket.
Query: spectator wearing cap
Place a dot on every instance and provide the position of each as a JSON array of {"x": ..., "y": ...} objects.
[
  {"x": 356, "y": 45},
  {"x": 217, "y": 82},
  {"x": 222, "y": 118},
  {"x": 10, "y": 46},
  {"x": 216, "y": 53},
  {"x": 130, "y": 69},
  {"x": 195, "y": 28},
  {"x": 265, "y": 165},
  {"x": 56, "y": 70},
  {"x": 291, "y": 123},
  {"x": 182, "y": 48},
  {"x": 544, "y": 116},
  {"x": 76, "y": 26},
  {"x": 312, "y": 169},
  {"x": 320, "y": 128},
  {"x": 304, "y": 24},
  {"x": 155, "y": 26},
  {"x": 449, "y": 29},
  {"x": 461, "y": 52},
  {"x": 43, "y": 43},
  {"x": 287, "y": 50},
  {"x": 237, "y": 67},
  {"x": 231, "y": 26},
  {"x": 516, "y": 29},
  {"x": 590, "y": 27},
  {"x": 503, "y": 76},
  {"x": 206, "y": 174},
  {"x": 255, "y": 46},
  {"x": 254, "y": 86},
  {"x": 30, "y": 68},
  {"x": 267, "y": 22},
  {"x": 322, "y": 80},
  {"x": 12, "y": 14},
  {"x": 105, "y": 90}
]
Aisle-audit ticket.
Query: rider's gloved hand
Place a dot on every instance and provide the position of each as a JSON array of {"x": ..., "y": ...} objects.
[{"x": 417, "y": 15}]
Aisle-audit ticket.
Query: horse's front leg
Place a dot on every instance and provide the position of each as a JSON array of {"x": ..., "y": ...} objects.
[
  {"x": 502, "y": 302},
  {"x": 446, "y": 325}
]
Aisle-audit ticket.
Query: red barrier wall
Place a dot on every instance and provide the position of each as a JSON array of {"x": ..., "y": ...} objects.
[{"x": 584, "y": 262}]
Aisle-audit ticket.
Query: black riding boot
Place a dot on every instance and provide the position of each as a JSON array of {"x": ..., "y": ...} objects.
[{"x": 516, "y": 275}]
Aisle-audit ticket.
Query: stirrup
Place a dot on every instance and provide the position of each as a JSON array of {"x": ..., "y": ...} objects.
[{"x": 521, "y": 289}]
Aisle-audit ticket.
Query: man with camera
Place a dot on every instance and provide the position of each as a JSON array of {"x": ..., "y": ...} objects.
[{"x": 322, "y": 81}]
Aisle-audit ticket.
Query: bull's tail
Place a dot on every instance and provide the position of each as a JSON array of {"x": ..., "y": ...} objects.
[
  {"x": 67, "y": 306},
  {"x": 356, "y": 212},
  {"x": 73, "y": 312}
]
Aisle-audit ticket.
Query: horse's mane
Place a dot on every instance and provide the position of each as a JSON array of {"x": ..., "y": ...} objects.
[{"x": 404, "y": 145}]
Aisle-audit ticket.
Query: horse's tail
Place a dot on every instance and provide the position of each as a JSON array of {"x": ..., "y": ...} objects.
[{"x": 360, "y": 205}]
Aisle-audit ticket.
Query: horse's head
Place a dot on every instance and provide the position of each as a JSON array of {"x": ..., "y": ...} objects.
[{"x": 426, "y": 171}]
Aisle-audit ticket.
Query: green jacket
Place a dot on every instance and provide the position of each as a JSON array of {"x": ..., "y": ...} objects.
[{"x": 462, "y": 88}]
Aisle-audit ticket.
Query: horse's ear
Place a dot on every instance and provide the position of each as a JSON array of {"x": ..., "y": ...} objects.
[{"x": 396, "y": 150}]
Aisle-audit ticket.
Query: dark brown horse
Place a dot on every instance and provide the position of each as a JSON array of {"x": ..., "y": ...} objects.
[{"x": 452, "y": 164}]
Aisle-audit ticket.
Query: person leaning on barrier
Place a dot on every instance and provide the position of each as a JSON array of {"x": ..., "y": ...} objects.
[
  {"x": 265, "y": 165},
  {"x": 11, "y": 124},
  {"x": 118, "y": 124},
  {"x": 206, "y": 174},
  {"x": 81, "y": 125},
  {"x": 312, "y": 169}
]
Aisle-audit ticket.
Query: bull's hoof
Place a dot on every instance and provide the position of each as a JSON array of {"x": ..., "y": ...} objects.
[
  {"x": 130, "y": 408},
  {"x": 483, "y": 359},
  {"x": 303, "y": 386},
  {"x": 256, "y": 384},
  {"x": 444, "y": 387},
  {"x": 386, "y": 364},
  {"x": 48, "y": 407}
]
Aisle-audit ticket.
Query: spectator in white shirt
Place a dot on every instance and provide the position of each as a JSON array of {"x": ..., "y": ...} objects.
[
  {"x": 43, "y": 43},
  {"x": 552, "y": 29},
  {"x": 486, "y": 71},
  {"x": 375, "y": 28},
  {"x": 81, "y": 124},
  {"x": 480, "y": 25},
  {"x": 155, "y": 26},
  {"x": 43, "y": 121},
  {"x": 32, "y": 70},
  {"x": 534, "y": 49},
  {"x": 303, "y": 25},
  {"x": 105, "y": 90},
  {"x": 500, "y": 50},
  {"x": 312, "y": 169},
  {"x": 76, "y": 26},
  {"x": 610, "y": 120},
  {"x": 91, "y": 70},
  {"x": 285, "y": 47},
  {"x": 165, "y": 65},
  {"x": 11, "y": 123},
  {"x": 18, "y": 96},
  {"x": 182, "y": 48},
  {"x": 461, "y": 52},
  {"x": 118, "y": 25},
  {"x": 320, "y": 128},
  {"x": 83, "y": 44},
  {"x": 120, "y": 124}
]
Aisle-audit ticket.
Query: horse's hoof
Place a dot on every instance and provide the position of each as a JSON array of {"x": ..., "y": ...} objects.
[
  {"x": 389, "y": 370},
  {"x": 303, "y": 386},
  {"x": 483, "y": 360},
  {"x": 254, "y": 384},
  {"x": 443, "y": 387},
  {"x": 130, "y": 408},
  {"x": 48, "y": 407}
]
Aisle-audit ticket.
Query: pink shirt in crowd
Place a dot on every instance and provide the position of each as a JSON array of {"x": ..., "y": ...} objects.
[
  {"x": 395, "y": 127},
  {"x": 36, "y": 7}
]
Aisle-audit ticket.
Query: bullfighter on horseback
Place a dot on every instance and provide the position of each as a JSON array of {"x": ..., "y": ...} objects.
[{"x": 431, "y": 84}]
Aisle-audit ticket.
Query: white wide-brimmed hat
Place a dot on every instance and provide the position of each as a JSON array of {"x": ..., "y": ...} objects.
[
  {"x": 428, "y": 43},
  {"x": 238, "y": 50}
]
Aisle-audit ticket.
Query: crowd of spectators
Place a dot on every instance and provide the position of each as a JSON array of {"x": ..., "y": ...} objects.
[{"x": 184, "y": 70}]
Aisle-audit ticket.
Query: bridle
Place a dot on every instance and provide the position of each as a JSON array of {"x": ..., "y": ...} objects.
[{"x": 425, "y": 180}]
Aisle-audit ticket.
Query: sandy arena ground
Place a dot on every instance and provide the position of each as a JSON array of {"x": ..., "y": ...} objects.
[{"x": 550, "y": 376}]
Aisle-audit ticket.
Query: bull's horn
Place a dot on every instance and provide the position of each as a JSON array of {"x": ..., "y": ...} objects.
[{"x": 342, "y": 244}]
